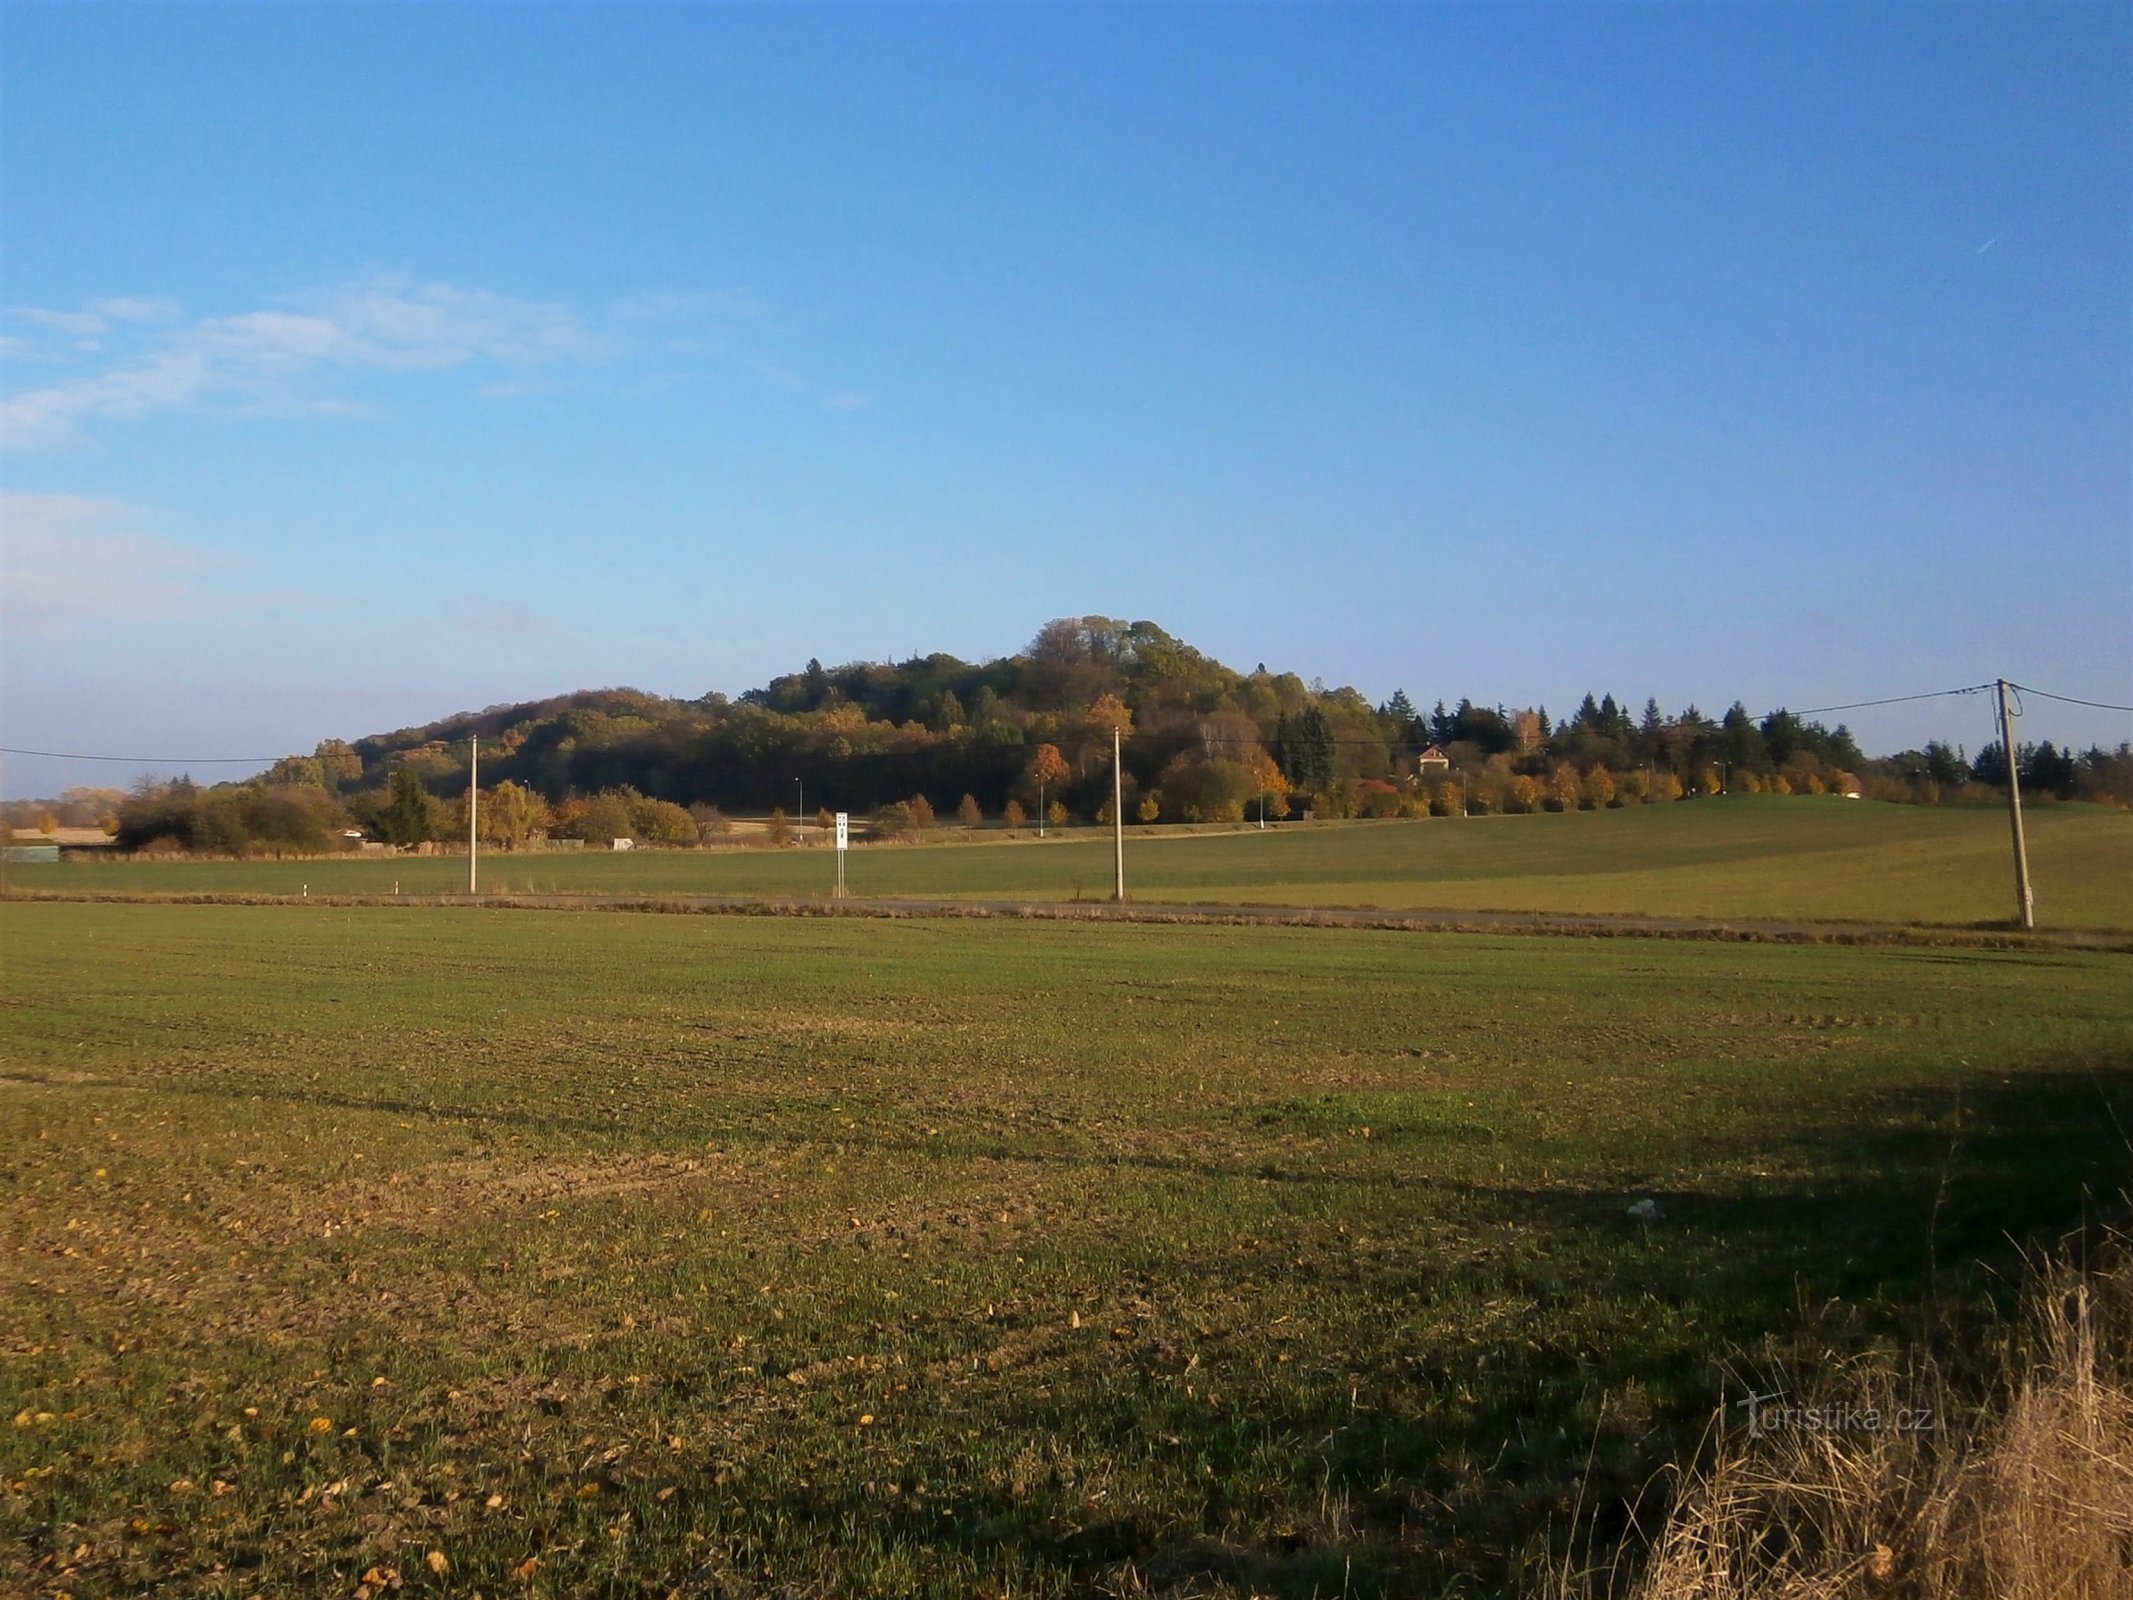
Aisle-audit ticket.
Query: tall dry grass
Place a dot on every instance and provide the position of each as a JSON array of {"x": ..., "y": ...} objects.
[{"x": 2021, "y": 1489}]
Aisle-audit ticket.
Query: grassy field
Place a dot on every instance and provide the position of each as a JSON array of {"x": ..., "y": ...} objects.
[
  {"x": 1743, "y": 857},
  {"x": 597, "y": 1253}
]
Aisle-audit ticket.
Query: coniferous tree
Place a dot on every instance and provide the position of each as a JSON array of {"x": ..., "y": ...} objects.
[{"x": 411, "y": 814}]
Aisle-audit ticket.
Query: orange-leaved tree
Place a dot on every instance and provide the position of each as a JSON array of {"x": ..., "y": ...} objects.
[
  {"x": 1046, "y": 767},
  {"x": 1108, "y": 712}
]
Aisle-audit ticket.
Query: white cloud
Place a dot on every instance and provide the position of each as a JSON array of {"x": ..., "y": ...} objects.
[
  {"x": 279, "y": 357},
  {"x": 126, "y": 308},
  {"x": 68, "y": 562},
  {"x": 82, "y": 324}
]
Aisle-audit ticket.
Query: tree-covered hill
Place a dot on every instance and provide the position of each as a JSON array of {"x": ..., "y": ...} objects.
[{"x": 1201, "y": 741}]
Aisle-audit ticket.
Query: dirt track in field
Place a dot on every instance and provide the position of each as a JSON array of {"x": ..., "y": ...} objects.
[{"x": 1422, "y": 920}]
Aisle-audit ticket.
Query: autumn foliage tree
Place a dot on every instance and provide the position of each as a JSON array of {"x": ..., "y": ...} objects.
[
  {"x": 512, "y": 816},
  {"x": 1046, "y": 768}
]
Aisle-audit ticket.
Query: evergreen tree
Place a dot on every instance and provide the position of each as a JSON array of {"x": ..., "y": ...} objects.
[
  {"x": 411, "y": 814},
  {"x": 1303, "y": 748},
  {"x": 1443, "y": 725}
]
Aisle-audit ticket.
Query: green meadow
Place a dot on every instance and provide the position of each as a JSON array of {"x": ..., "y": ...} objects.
[
  {"x": 448, "y": 1250},
  {"x": 1742, "y": 856}
]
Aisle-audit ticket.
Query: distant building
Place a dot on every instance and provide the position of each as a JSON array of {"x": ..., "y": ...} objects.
[
  {"x": 1433, "y": 759},
  {"x": 625, "y": 844}
]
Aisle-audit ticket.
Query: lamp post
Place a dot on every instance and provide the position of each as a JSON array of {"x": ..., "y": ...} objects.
[{"x": 801, "y": 813}]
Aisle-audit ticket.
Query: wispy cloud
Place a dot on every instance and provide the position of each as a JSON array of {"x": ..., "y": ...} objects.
[
  {"x": 68, "y": 562},
  {"x": 288, "y": 357}
]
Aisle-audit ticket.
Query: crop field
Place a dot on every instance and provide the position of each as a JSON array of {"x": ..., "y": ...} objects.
[
  {"x": 1741, "y": 857},
  {"x": 433, "y": 1249}
]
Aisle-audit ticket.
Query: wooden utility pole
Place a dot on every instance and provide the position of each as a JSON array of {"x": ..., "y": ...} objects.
[
  {"x": 473, "y": 807},
  {"x": 2024, "y": 904},
  {"x": 1118, "y": 815}
]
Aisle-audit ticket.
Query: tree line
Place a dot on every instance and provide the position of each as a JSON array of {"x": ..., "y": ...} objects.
[{"x": 1029, "y": 736}]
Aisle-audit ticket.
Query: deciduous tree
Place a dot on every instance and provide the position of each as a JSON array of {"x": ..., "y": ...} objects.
[{"x": 512, "y": 816}]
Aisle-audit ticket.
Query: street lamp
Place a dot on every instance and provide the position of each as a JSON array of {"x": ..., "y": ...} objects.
[{"x": 801, "y": 785}]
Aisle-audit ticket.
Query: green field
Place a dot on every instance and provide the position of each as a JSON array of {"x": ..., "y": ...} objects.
[
  {"x": 1741, "y": 857},
  {"x": 605, "y": 1253}
]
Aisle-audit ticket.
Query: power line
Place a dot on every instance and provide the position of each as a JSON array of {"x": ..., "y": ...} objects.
[
  {"x": 146, "y": 761},
  {"x": 1403, "y": 746},
  {"x": 1892, "y": 700},
  {"x": 1804, "y": 711},
  {"x": 2046, "y": 694}
]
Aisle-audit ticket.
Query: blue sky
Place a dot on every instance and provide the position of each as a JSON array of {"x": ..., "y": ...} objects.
[{"x": 367, "y": 363}]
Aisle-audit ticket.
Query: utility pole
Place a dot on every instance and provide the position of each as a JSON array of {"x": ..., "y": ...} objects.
[
  {"x": 1118, "y": 815},
  {"x": 473, "y": 806},
  {"x": 2023, "y": 902}
]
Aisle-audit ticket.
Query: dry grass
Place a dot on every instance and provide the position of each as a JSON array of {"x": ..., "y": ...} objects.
[{"x": 2023, "y": 1490}]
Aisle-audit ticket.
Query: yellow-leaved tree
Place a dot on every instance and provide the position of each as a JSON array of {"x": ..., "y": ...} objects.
[{"x": 513, "y": 816}]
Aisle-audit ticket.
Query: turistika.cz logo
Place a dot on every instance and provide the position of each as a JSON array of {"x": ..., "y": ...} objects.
[{"x": 1770, "y": 1413}]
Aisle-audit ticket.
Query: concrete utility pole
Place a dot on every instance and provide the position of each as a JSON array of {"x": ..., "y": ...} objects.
[
  {"x": 473, "y": 807},
  {"x": 2023, "y": 902},
  {"x": 1118, "y": 815}
]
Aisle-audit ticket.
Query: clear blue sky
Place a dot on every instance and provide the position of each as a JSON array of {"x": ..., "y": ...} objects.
[{"x": 367, "y": 363}]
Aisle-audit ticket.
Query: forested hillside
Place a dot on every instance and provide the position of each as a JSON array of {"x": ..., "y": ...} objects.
[{"x": 1000, "y": 739}]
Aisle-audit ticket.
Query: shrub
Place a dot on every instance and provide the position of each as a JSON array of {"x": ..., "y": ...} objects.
[
  {"x": 662, "y": 822},
  {"x": 1196, "y": 790}
]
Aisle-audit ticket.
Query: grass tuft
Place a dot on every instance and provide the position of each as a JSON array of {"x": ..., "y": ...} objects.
[{"x": 1886, "y": 1479}]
